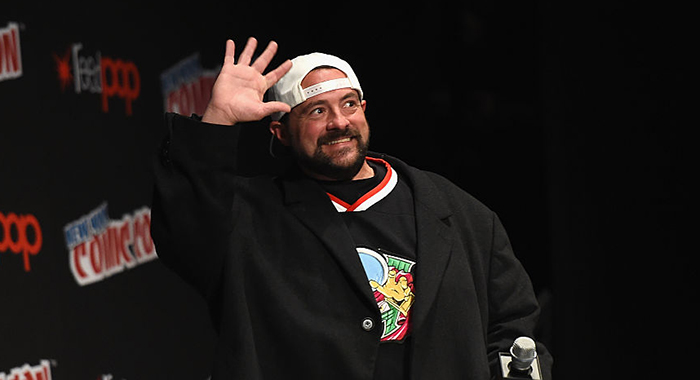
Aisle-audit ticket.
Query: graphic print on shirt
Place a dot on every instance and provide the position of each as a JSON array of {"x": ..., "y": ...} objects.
[{"x": 391, "y": 279}]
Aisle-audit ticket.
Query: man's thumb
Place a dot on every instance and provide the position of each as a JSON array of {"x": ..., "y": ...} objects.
[{"x": 272, "y": 107}]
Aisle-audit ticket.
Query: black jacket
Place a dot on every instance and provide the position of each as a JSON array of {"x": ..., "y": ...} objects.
[{"x": 286, "y": 290}]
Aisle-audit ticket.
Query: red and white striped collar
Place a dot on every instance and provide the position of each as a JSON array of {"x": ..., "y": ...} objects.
[{"x": 371, "y": 197}]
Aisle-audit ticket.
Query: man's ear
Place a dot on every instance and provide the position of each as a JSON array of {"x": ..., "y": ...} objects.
[
  {"x": 280, "y": 131},
  {"x": 364, "y": 105}
]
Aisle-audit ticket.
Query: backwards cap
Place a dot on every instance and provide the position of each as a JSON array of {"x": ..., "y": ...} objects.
[{"x": 288, "y": 89}]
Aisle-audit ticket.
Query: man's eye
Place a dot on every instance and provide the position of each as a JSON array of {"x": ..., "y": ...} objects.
[
  {"x": 350, "y": 107},
  {"x": 316, "y": 111}
]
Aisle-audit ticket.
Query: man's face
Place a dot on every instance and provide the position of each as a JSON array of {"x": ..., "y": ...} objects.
[{"x": 328, "y": 133}]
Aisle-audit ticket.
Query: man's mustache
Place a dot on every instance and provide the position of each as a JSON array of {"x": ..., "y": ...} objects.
[{"x": 337, "y": 135}]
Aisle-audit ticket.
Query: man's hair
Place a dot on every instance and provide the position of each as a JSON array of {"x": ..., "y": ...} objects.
[{"x": 284, "y": 119}]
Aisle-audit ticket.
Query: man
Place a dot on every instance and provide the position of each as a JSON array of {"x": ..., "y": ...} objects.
[{"x": 351, "y": 265}]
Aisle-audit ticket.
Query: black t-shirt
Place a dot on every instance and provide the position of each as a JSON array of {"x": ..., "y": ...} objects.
[{"x": 379, "y": 215}]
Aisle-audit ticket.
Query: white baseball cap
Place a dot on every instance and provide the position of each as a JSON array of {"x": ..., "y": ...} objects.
[{"x": 288, "y": 89}]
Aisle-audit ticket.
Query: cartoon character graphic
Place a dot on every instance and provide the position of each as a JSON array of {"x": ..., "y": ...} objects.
[{"x": 391, "y": 279}]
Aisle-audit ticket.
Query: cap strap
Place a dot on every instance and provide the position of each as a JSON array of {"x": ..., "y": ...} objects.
[{"x": 329, "y": 85}]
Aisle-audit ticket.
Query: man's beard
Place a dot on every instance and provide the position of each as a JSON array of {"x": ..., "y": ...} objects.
[{"x": 325, "y": 165}]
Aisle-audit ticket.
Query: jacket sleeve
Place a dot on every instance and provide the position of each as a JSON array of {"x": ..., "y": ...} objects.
[
  {"x": 195, "y": 174},
  {"x": 513, "y": 307}
]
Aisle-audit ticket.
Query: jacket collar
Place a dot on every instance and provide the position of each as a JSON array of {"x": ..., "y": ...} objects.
[
  {"x": 434, "y": 237},
  {"x": 309, "y": 202}
]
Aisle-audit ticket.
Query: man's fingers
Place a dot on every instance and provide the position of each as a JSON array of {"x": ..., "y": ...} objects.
[
  {"x": 264, "y": 59},
  {"x": 272, "y": 107},
  {"x": 273, "y": 76},
  {"x": 248, "y": 51},
  {"x": 229, "y": 56}
]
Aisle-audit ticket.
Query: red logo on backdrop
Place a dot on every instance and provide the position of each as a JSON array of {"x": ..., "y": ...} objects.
[
  {"x": 10, "y": 53},
  {"x": 20, "y": 234},
  {"x": 187, "y": 87},
  {"x": 27, "y": 372},
  {"x": 95, "y": 74},
  {"x": 99, "y": 247}
]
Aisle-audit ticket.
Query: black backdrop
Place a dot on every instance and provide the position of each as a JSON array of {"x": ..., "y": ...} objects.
[{"x": 569, "y": 120}]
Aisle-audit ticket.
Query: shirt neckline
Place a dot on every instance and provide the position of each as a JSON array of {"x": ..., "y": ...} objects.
[{"x": 373, "y": 196}]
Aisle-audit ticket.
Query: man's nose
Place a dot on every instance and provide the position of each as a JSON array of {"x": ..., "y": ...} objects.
[{"x": 337, "y": 120}]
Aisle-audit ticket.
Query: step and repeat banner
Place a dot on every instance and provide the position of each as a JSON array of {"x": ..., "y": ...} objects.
[
  {"x": 82, "y": 292},
  {"x": 83, "y": 89}
]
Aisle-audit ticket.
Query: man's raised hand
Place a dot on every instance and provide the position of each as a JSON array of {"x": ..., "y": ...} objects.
[{"x": 237, "y": 95}]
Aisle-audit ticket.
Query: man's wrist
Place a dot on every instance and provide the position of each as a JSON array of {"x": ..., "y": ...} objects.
[{"x": 213, "y": 115}]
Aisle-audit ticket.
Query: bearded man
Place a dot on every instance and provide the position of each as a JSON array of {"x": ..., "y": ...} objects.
[{"x": 293, "y": 266}]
